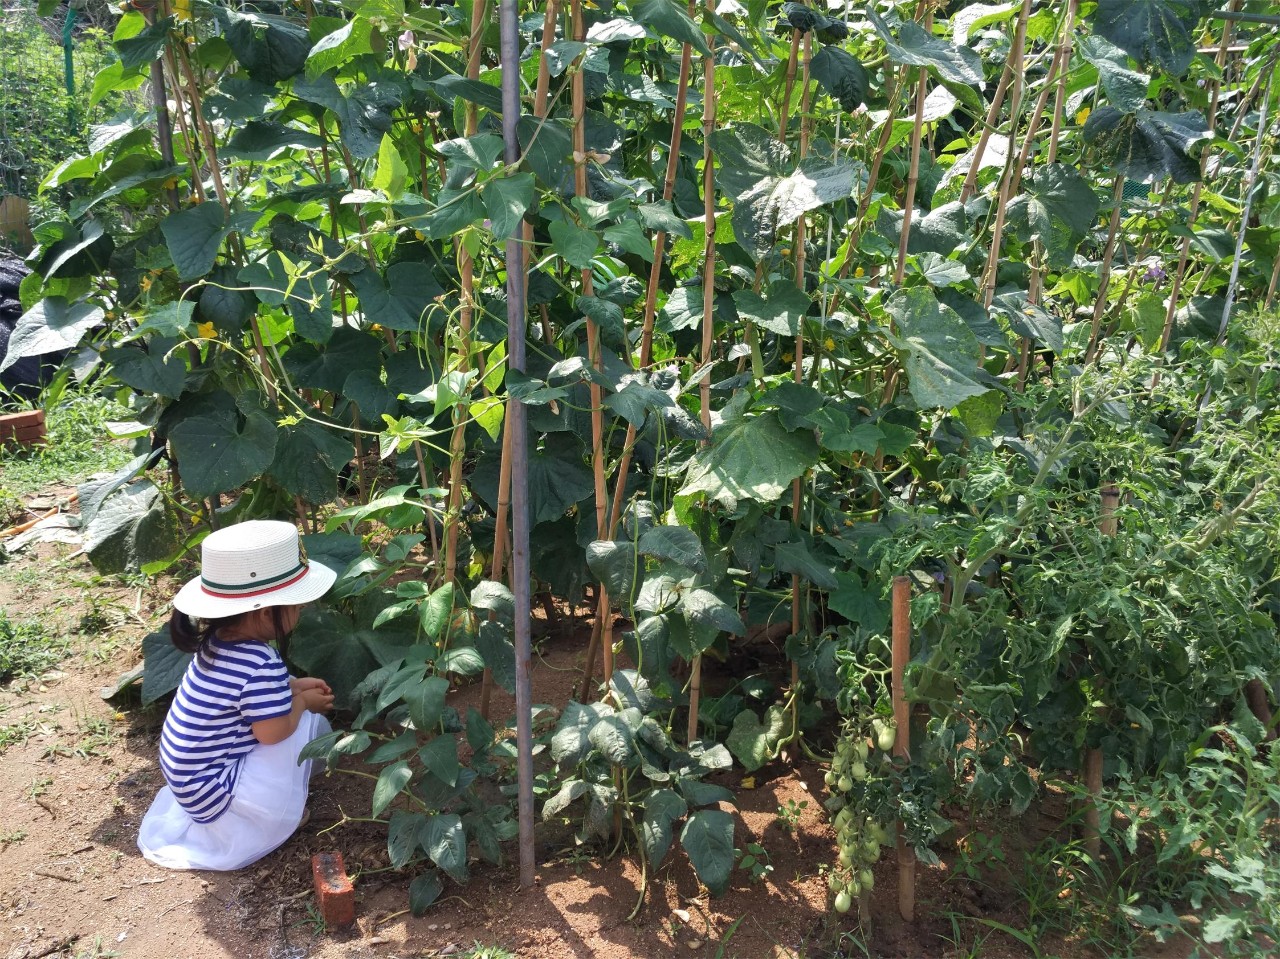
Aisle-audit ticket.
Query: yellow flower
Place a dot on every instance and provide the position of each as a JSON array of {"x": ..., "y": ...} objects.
[
  {"x": 788, "y": 357},
  {"x": 182, "y": 9},
  {"x": 829, "y": 343},
  {"x": 171, "y": 183},
  {"x": 419, "y": 234},
  {"x": 145, "y": 283},
  {"x": 859, "y": 271},
  {"x": 206, "y": 331},
  {"x": 1082, "y": 115},
  {"x": 376, "y": 327}
]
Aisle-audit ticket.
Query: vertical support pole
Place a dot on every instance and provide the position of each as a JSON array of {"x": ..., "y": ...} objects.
[
  {"x": 69, "y": 69},
  {"x": 902, "y": 742},
  {"x": 516, "y": 309}
]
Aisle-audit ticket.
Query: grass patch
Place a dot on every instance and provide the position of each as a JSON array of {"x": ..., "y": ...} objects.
[
  {"x": 78, "y": 446},
  {"x": 25, "y": 648}
]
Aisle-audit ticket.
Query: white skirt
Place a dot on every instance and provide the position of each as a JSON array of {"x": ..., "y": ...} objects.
[{"x": 267, "y": 806}]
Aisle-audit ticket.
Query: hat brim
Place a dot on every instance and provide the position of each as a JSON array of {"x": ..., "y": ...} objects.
[{"x": 193, "y": 600}]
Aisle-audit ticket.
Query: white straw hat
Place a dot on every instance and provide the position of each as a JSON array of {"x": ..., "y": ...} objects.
[{"x": 249, "y": 566}]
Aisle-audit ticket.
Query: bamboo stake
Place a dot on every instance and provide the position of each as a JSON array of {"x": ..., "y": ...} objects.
[
  {"x": 708, "y": 301},
  {"x": 993, "y": 115},
  {"x": 466, "y": 267},
  {"x": 902, "y": 741},
  {"x": 909, "y": 201},
  {"x": 516, "y": 287},
  {"x": 604, "y": 614}
]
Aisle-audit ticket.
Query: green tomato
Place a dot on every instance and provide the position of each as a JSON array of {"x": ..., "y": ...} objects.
[
  {"x": 846, "y": 857},
  {"x": 843, "y": 901},
  {"x": 866, "y": 878},
  {"x": 845, "y": 784},
  {"x": 858, "y": 772},
  {"x": 885, "y": 737},
  {"x": 830, "y": 778},
  {"x": 860, "y": 748}
]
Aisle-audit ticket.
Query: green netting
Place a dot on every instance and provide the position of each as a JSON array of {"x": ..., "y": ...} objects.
[{"x": 43, "y": 119}]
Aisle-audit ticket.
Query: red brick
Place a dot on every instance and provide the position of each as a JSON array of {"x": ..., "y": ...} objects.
[{"x": 334, "y": 892}]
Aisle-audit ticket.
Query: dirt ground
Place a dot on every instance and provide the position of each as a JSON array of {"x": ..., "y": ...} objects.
[{"x": 77, "y": 773}]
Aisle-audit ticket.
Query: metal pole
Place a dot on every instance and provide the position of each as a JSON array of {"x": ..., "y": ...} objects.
[
  {"x": 516, "y": 309},
  {"x": 69, "y": 69}
]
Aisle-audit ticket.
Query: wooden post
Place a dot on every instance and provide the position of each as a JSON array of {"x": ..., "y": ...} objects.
[
  {"x": 902, "y": 742},
  {"x": 1092, "y": 771}
]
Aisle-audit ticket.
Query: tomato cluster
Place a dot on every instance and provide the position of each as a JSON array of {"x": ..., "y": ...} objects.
[{"x": 859, "y": 836}]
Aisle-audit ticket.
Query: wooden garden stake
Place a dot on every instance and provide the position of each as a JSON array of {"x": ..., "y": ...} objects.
[
  {"x": 516, "y": 308},
  {"x": 902, "y": 741},
  {"x": 466, "y": 266},
  {"x": 909, "y": 202}
]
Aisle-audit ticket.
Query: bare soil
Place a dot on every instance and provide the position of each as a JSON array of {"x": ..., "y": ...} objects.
[{"x": 77, "y": 773}]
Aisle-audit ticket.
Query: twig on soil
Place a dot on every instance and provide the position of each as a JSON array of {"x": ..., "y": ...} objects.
[
  {"x": 185, "y": 902},
  {"x": 58, "y": 946},
  {"x": 43, "y": 804},
  {"x": 388, "y": 918}
]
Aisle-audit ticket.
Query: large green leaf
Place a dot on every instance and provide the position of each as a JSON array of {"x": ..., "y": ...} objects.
[
  {"x": 1057, "y": 207},
  {"x": 52, "y": 324},
  {"x": 217, "y": 453},
  {"x": 493, "y": 641},
  {"x": 328, "y": 368},
  {"x": 506, "y": 199},
  {"x": 618, "y": 565},
  {"x": 164, "y": 664},
  {"x": 390, "y": 782},
  {"x": 308, "y": 458},
  {"x": 858, "y": 604},
  {"x": 676, "y": 543},
  {"x": 705, "y": 609},
  {"x": 842, "y": 75},
  {"x": 613, "y": 739},
  {"x": 402, "y": 836},
  {"x": 1147, "y": 146},
  {"x": 152, "y": 368},
  {"x": 747, "y": 154},
  {"x": 749, "y": 458},
  {"x": 670, "y": 20},
  {"x": 557, "y": 480},
  {"x": 445, "y": 841},
  {"x": 424, "y": 890},
  {"x": 194, "y": 237},
  {"x": 336, "y": 48},
  {"x": 754, "y": 743},
  {"x": 1125, "y": 89},
  {"x": 939, "y": 351},
  {"x": 328, "y": 644},
  {"x": 662, "y": 807},
  {"x": 270, "y": 48},
  {"x": 914, "y": 47},
  {"x": 132, "y": 529},
  {"x": 780, "y": 313},
  {"x": 1152, "y": 31},
  {"x": 143, "y": 47},
  {"x": 708, "y": 839},
  {"x": 402, "y": 300}
]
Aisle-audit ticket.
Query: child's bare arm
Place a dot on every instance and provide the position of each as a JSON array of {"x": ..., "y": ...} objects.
[{"x": 309, "y": 694}]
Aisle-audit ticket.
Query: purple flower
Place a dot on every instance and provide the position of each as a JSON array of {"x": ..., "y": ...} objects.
[
  {"x": 1155, "y": 273},
  {"x": 406, "y": 40}
]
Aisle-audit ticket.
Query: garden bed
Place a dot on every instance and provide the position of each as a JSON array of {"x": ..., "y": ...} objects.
[{"x": 78, "y": 774}]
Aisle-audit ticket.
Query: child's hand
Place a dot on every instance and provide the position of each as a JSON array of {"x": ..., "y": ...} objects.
[{"x": 315, "y": 694}]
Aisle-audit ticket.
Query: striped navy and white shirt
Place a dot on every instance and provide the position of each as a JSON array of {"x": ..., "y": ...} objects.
[{"x": 227, "y": 688}]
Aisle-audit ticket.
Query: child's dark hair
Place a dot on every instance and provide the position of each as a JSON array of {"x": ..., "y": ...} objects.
[{"x": 190, "y": 634}]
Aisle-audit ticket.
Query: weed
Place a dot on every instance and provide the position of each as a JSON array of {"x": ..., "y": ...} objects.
[
  {"x": 26, "y": 650},
  {"x": 313, "y": 921},
  {"x": 19, "y": 733},
  {"x": 789, "y": 813},
  {"x": 11, "y": 837},
  {"x": 479, "y": 951},
  {"x": 96, "y": 735},
  {"x": 755, "y": 860},
  {"x": 96, "y": 951},
  {"x": 978, "y": 855},
  {"x": 39, "y": 787}
]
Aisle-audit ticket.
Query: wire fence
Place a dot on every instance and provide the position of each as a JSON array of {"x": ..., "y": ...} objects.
[{"x": 47, "y": 69}]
